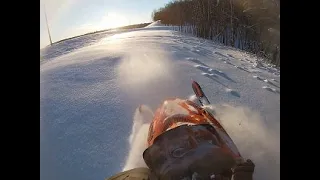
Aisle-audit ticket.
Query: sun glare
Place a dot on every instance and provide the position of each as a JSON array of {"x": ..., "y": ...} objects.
[{"x": 113, "y": 20}]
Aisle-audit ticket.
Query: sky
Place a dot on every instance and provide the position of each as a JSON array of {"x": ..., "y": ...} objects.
[{"x": 68, "y": 18}]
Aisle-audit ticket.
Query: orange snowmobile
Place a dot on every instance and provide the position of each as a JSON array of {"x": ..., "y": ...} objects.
[{"x": 185, "y": 141}]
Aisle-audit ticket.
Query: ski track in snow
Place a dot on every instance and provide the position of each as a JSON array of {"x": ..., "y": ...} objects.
[{"x": 90, "y": 92}]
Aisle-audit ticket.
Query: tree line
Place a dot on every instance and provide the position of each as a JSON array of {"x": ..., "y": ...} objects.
[{"x": 250, "y": 25}]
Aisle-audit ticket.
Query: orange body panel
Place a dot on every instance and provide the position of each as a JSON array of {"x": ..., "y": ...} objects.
[{"x": 175, "y": 112}]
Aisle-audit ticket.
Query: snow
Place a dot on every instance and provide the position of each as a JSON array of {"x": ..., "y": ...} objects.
[
  {"x": 91, "y": 88},
  {"x": 155, "y": 23}
]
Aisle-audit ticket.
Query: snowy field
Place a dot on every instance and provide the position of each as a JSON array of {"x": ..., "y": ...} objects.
[{"x": 91, "y": 86}]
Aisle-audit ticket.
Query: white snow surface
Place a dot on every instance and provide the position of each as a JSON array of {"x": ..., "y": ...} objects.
[
  {"x": 155, "y": 24},
  {"x": 90, "y": 88}
]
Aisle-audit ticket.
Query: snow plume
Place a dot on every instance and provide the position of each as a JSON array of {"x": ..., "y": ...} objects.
[
  {"x": 141, "y": 66},
  {"x": 138, "y": 137},
  {"x": 254, "y": 140},
  {"x": 147, "y": 76}
]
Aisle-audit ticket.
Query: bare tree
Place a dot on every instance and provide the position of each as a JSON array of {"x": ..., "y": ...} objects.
[{"x": 251, "y": 25}]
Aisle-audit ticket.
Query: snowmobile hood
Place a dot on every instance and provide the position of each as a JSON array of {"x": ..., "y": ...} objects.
[
  {"x": 185, "y": 111},
  {"x": 177, "y": 112}
]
